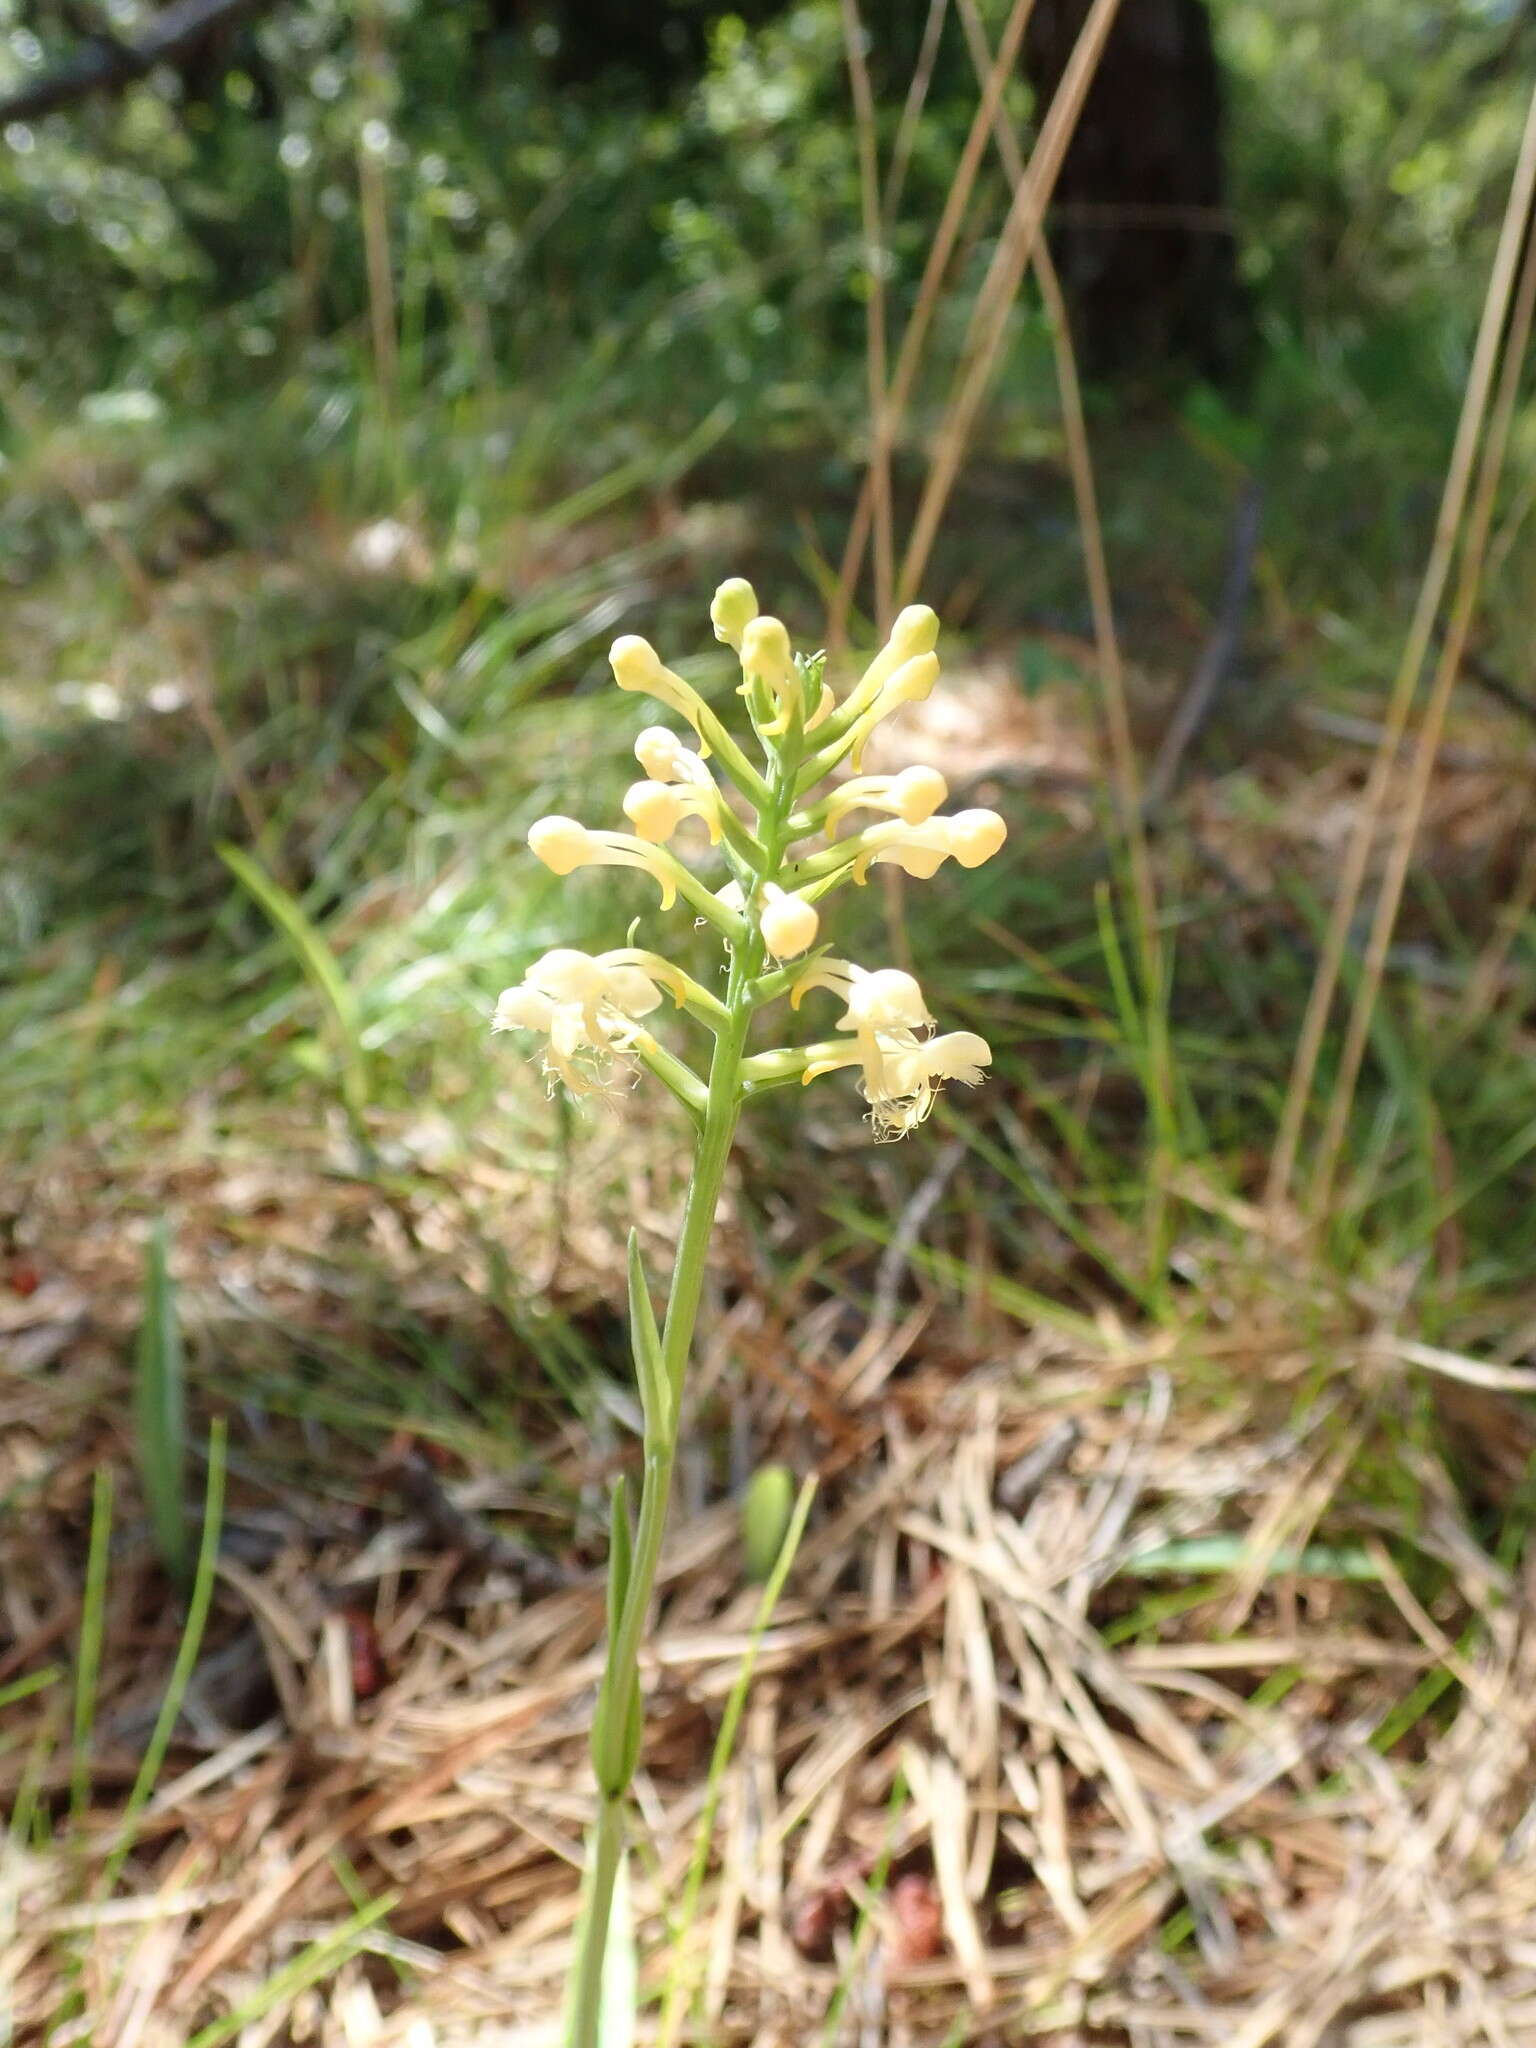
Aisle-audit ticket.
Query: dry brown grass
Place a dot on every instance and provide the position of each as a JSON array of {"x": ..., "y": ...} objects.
[{"x": 972, "y": 1796}]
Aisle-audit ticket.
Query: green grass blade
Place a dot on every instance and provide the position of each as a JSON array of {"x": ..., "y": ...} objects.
[
  {"x": 186, "y": 1659},
  {"x": 645, "y": 1338},
  {"x": 681, "y": 1979},
  {"x": 320, "y": 1959},
  {"x": 321, "y": 969},
  {"x": 93, "y": 1616},
  {"x": 159, "y": 1410},
  {"x": 34, "y": 1681},
  {"x": 621, "y": 1968}
]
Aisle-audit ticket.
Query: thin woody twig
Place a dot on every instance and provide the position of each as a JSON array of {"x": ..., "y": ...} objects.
[{"x": 1205, "y": 685}]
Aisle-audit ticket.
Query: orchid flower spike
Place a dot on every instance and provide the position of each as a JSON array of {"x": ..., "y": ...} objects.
[
  {"x": 587, "y": 1008},
  {"x": 913, "y": 796},
  {"x": 591, "y": 1017}
]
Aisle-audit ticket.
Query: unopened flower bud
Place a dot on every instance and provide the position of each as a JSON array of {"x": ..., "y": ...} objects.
[
  {"x": 564, "y": 845},
  {"x": 911, "y": 683},
  {"x": 969, "y": 837},
  {"x": 915, "y": 632},
  {"x": 637, "y": 666},
  {"x": 654, "y": 809},
  {"x": 664, "y": 757},
  {"x": 789, "y": 924},
  {"x": 913, "y": 796},
  {"x": 916, "y": 793},
  {"x": 733, "y": 610},
  {"x": 766, "y": 652},
  {"x": 635, "y": 662},
  {"x": 974, "y": 836},
  {"x": 561, "y": 843}
]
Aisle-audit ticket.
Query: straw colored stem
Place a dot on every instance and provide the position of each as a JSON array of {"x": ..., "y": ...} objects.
[
  {"x": 874, "y": 325},
  {"x": 930, "y": 289},
  {"x": 1431, "y": 732},
  {"x": 989, "y": 318},
  {"x": 1437, "y": 572}
]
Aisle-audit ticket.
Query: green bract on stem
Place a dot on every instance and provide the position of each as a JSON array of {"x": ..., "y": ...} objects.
[{"x": 595, "y": 1016}]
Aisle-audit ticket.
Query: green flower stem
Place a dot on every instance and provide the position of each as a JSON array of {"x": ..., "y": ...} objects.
[
  {"x": 592, "y": 1934},
  {"x": 620, "y": 1696}
]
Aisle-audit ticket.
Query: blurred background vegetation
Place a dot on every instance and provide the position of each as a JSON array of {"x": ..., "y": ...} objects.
[{"x": 365, "y": 367}]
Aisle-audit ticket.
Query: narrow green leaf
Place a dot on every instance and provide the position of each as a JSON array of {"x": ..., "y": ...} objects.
[
  {"x": 321, "y": 969},
  {"x": 34, "y": 1681},
  {"x": 93, "y": 1619},
  {"x": 681, "y": 1985},
  {"x": 645, "y": 1341},
  {"x": 621, "y": 1968},
  {"x": 618, "y": 1698},
  {"x": 160, "y": 1414},
  {"x": 621, "y": 1555},
  {"x": 320, "y": 1959},
  {"x": 199, "y": 1603}
]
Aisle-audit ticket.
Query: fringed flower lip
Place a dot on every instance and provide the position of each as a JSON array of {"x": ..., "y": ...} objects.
[
  {"x": 889, "y": 1021},
  {"x": 588, "y": 1009},
  {"x": 881, "y": 998},
  {"x": 900, "y": 1074}
]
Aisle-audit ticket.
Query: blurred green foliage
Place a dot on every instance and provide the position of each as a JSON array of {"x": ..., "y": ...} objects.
[
  {"x": 349, "y": 618},
  {"x": 201, "y": 231}
]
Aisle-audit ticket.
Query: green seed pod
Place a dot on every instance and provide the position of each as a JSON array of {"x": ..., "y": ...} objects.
[{"x": 766, "y": 1507}]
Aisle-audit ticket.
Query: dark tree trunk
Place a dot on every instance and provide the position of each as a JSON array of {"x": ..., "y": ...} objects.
[{"x": 1139, "y": 227}]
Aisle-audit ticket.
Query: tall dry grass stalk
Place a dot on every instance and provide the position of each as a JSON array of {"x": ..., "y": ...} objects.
[
  {"x": 1074, "y": 428},
  {"x": 1474, "y": 411},
  {"x": 1022, "y": 244},
  {"x": 875, "y": 321},
  {"x": 911, "y": 112},
  {"x": 373, "y": 201},
  {"x": 929, "y": 294},
  {"x": 1111, "y": 668},
  {"x": 999, "y": 291},
  {"x": 1431, "y": 732}
]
